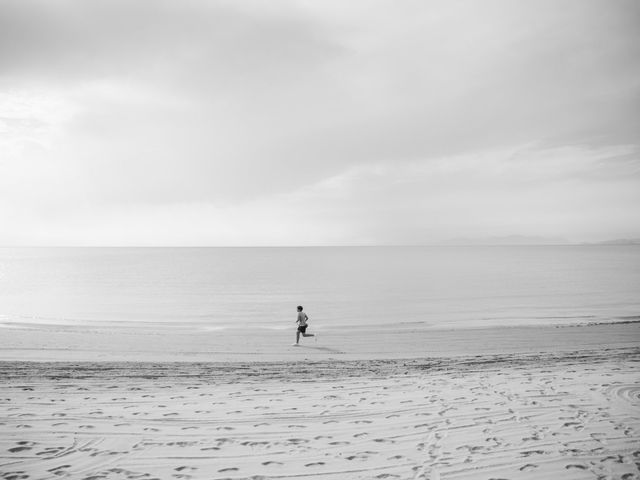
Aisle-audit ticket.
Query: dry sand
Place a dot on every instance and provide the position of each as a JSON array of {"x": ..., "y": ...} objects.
[{"x": 513, "y": 416}]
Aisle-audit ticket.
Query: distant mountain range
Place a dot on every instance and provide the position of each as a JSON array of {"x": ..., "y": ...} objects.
[
  {"x": 507, "y": 240},
  {"x": 533, "y": 240},
  {"x": 618, "y": 241}
]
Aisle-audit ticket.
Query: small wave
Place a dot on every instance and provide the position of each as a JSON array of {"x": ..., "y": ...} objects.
[{"x": 39, "y": 320}]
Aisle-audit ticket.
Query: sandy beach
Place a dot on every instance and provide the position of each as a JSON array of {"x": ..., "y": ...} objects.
[
  {"x": 161, "y": 343},
  {"x": 442, "y": 199},
  {"x": 570, "y": 413}
]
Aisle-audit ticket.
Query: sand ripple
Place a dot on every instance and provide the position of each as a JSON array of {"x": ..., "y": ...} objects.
[{"x": 629, "y": 393}]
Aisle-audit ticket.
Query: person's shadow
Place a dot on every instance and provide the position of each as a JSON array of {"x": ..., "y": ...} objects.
[{"x": 322, "y": 349}]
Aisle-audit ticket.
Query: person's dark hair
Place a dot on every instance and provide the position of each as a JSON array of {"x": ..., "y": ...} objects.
[{"x": 299, "y": 308}]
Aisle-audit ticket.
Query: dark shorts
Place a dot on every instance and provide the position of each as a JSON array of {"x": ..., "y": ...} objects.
[{"x": 302, "y": 328}]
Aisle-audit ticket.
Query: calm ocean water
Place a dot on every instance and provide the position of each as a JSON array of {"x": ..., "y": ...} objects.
[{"x": 218, "y": 288}]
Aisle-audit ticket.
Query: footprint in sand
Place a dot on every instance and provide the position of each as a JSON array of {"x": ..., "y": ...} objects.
[
  {"x": 383, "y": 440},
  {"x": 15, "y": 475},
  {"x": 230, "y": 469},
  {"x": 359, "y": 456},
  {"x": 50, "y": 451},
  {"x": 272, "y": 463},
  {"x": 57, "y": 470},
  {"x": 182, "y": 444},
  {"x": 297, "y": 441},
  {"x": 528, "y": 467},
  {"x": 616, "y": 459},
  {"x": 18, "y": 449},
  {"x": 575, "y": 465},
  {"x": 185, "y": 467},
  {"x": 314, "y": 464},
  {"x": 572, "y": 424},
  {"x": 254, "y": 444},
  {"x": 528, "y": 453}
]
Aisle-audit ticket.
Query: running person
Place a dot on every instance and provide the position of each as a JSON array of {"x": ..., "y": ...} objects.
[{"x": 302, "y": 325}]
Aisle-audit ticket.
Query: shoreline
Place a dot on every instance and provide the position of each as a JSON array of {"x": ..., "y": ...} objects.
[{"x": 139, "y": 345}]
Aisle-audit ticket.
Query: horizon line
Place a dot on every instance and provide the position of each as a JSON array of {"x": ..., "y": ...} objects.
[{"x": 479, "y": 244}]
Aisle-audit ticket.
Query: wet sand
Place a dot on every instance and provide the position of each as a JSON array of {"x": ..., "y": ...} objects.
[{"x": 159, "y": 343}]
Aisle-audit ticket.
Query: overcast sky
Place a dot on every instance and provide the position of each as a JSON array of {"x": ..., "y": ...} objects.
[{"x": 317, "y": 122}]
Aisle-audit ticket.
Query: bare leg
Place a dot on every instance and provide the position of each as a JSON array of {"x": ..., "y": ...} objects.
[
  {"x": 308, "y": 335},
  {"x": 297, "y": 336}
]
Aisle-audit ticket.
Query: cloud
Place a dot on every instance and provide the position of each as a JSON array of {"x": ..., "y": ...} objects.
[
  {"x": 528, "y": 190},
  {"x": 574, "y": 192},
  {"x": 223, "y": 112}
]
